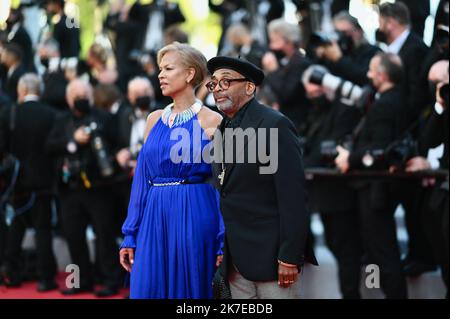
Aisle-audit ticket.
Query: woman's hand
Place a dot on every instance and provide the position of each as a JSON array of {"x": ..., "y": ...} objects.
[
  {"x": 219, "y": 260},
  {"x": 127, "y": 258}
]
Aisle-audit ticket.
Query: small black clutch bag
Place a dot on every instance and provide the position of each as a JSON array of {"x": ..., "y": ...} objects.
[{"x": 221, "y": 289}]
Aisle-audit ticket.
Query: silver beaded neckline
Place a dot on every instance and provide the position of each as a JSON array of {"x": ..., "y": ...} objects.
[{"x": 175, "y": 119}]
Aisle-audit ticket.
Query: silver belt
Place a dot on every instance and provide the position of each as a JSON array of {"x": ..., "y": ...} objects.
[{"x": 166, "y": 184}]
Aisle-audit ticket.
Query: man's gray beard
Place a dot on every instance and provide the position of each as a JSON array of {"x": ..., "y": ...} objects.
[{"x": 225, "y": 106}]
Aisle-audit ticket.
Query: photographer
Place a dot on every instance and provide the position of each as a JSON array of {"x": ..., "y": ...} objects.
[
  {"x": 284, "y": 67},
  {"x": 334, "y": 200},
  {"x": 11, "y": 61},
  {"x": 349, "y": 56},
  {"x": 128, "y": 25},
  {"x": 129, "y": 138},
  {"x": 23, "y": 131},
  {"x": 395, "y": 32},
  {"x": 54, "y": 77},
  {"x": 434, "y": 210},
  {"x": 380, "y": 127},
  {"x": 67, "y": 37},
  {"x": 80, "y": 137}
]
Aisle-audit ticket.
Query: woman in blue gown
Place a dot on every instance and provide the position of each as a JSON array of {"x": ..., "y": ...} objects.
[{"x": 174, "y": 231}]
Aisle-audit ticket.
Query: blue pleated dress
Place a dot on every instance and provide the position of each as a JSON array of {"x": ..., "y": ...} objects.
[{"x": 176, "y": 229}]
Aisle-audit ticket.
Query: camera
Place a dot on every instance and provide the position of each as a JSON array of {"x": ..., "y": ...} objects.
[
  {"x": 348, "y": 92},
  {"x": 99, "y": 148},
  {"x": 328, "y": 150},
  {"x": 141, "y": 57},
  {"x": 320, "y": 39},
  {"x": 396, "y": 154},
  {"x": 444, "y": 94}
]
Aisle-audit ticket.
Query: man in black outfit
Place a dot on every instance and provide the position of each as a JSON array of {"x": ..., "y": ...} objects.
[
  {"x": 24, "y": 129},
  {"x": 353, "y": 64},
  {"x": 332, "y": 124},
  {"x": 19, "y": 35},
  {"x": 376, "y": 203},
  {"x": 284, "y": 67},
  {"x": 85, "y": 186},
  {"x": 64, "y": 31},
  {"x": 395, "y": 24},
  {"x": 435, "y": 212},
  {"x": 11, "y": 59},
  {"x": 420, "y": 10},
  {"x": 263, "y": 204}
]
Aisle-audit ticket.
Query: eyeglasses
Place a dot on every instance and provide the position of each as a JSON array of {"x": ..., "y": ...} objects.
[{"x": 224, "y": 84}]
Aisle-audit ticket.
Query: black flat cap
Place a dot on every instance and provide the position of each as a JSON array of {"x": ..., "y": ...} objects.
[{"x": 247, "y": 69}]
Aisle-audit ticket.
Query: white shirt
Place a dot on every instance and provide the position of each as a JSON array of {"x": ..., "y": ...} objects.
[
  {"x": 30, "y": 98},
  {"x": 398, "y": 43}
]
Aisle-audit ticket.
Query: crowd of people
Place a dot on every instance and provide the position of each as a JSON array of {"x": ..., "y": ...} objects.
[{"x": 71, "y": 136}]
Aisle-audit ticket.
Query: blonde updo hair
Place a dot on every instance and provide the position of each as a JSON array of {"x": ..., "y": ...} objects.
[{"x": 190, "y": 58}]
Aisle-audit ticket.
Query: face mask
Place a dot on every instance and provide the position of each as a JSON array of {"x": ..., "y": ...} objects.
[
  {"x": 279, "y": 54},
  {"x": 143, "y": 102},
  {"x": 380, "y": 36},
  {"x": 45, "y": 62},
  {"x": 345, "y": 43},
  {"x": 82, "y": 105}
]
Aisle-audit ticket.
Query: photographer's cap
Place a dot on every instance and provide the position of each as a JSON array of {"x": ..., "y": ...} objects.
[{"x": 247, "y": 69}]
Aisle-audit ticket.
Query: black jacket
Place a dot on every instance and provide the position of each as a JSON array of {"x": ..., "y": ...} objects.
[
  {"x": 9, "y": 83},
  {"x": 21, "y": 38},
  {"x": 383, "y": 125},
  {"x": 334, "y": 124},
  {"x": 354, "y": 66},
  {"x": 435, "y": 134},
  {"x": 67, "y": 37},
  {"x": 286, "y": 84},
  {"x": 265, "y": 216},
  {"x": 27, "y": 142},
  {"x": 62, "y": 134},
  {"x": 413, "y": 53}
]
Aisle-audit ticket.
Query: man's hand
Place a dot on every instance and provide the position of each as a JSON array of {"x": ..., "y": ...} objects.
[
  {"x": 270, "y": 62},
  {"x": 127, "y": 258},
  {"x": 80, "y": 136},
  {"x": 341, "y": 160},
  {"x": 123, "y": 157},
  {"x": 417, "y": 164},
  {"x": 287, "y": 274}
]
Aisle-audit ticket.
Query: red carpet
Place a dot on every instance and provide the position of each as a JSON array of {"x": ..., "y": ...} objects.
[{"x": 28, "y": 291}]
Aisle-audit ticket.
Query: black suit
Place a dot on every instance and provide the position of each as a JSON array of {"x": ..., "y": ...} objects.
[
  {"x": 286, "y": 84},
  {"x": 9, "y": 83},
  {"x": 335, "y": 199},
  {"x": 33, "y": 122},
  {"x": 67, "y": 38},
  {"x": 376, "y": 199},
  {"x": 412, "y": 54},
  {"x": 354, "y": 66},
  {"x": 434, "y": 210},
  {"x": 21, "y": 38},
  {"x": 82, "y": 205},
  {"x": 419, "y": 11},
  {"x": 265, "y": 216}
]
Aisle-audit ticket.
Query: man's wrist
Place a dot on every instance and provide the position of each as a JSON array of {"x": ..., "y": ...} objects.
[{"x": 287, "y": 265}]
